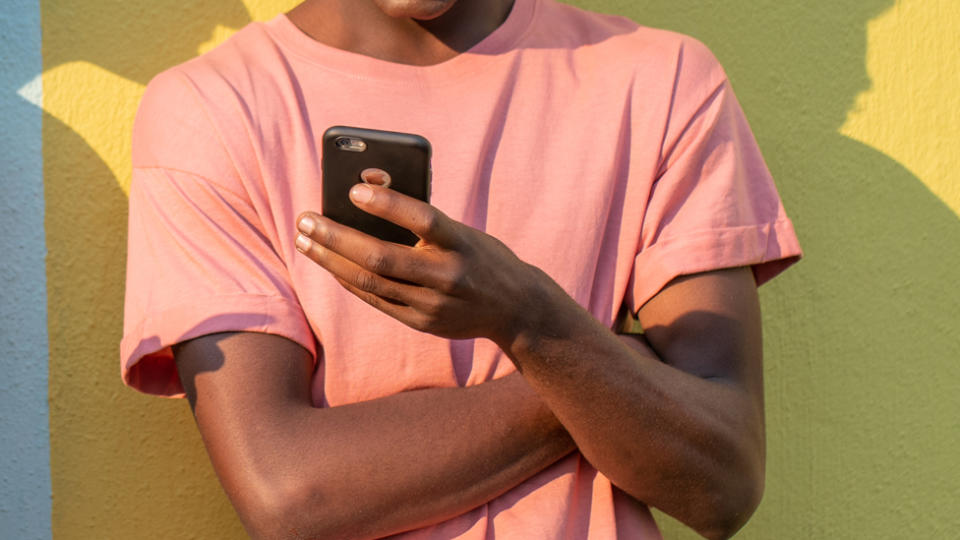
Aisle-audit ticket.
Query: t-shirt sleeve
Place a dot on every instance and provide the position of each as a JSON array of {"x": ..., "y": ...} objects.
[
  {"x": 199, "y": 260},
  {"x": 713, "y": 204}
]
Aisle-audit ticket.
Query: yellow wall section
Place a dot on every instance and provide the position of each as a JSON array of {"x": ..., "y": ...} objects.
[
  {"x": 854, "y": 103},
  {"x": 912, "y": 111},
  {"x": 122, "y": 465}
]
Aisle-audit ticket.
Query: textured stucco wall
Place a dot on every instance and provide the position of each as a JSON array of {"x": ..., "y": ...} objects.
[
  {"x": 121, "y": 463},
  {"x": 24, "y": 440},
  {"x": 854, "y": 103},
  {"x": 855, "y": 106}
]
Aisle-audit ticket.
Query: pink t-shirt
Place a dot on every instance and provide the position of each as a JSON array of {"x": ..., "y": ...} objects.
[{"x": 612, "y": 156}]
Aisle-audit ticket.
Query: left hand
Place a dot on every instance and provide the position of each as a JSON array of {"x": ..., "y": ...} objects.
[{"x": 456, "y": 282}]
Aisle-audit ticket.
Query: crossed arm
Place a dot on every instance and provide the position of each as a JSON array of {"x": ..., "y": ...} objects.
[{"x": 675, "y": 418}]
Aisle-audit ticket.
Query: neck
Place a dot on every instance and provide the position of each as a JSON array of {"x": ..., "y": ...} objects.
[{"x": 360, "y": 26}]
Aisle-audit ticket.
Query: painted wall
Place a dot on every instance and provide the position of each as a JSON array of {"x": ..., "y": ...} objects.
[
  {"x": 24, "y": 437},
  {"x": 854, "y": 103}
]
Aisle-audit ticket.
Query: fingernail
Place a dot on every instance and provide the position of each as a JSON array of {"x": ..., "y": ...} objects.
[
  {"x": 307, "y": 225},
  {"x": 303, "y": 243},
  {"x": 361, "y": 193}
]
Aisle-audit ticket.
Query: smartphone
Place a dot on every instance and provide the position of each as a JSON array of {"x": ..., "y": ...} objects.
[{"x": 348, "y": 151}]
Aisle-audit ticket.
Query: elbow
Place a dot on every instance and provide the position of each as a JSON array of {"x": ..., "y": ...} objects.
[
  {"x": 276, "y": 509},
  {"x": 294, "y": 509},
  {"x": 736, "y": 484},
  {"x": 728, "y": 508},
  {"x": 269, "y": 511},
  {"x": 716, "y": 507}
]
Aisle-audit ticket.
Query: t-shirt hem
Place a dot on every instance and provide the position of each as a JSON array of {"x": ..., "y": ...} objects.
[
  {"x": 146, "y": 357},
  {"x": 768, "y": 248}
]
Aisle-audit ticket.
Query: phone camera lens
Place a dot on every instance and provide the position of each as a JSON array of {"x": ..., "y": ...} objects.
[{"x": 350, "y": 144}]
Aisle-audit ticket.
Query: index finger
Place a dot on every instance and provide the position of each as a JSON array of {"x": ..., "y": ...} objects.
[{"x": 426, "y": 221}]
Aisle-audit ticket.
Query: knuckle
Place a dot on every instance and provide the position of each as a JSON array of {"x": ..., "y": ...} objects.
[
  {"x": 457, "y": 281},
  {"x": 377, "y": 261},
  {"x": 433, "y": 307},
  {"x": 366, "y": 282},
  {"x": 431, "y": 223},
  {"x": 460, "y": 283},
  {"x": 327, "y": 236},
  {"x": 421, "y": 322}
]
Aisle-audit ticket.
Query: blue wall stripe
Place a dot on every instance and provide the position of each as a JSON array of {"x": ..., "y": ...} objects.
[{"x": 24, "y": 419}]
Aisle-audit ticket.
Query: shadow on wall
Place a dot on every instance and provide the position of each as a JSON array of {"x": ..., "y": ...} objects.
[
  {"x": 112, "y": 449},
  {"x": 861, "y": 337}
]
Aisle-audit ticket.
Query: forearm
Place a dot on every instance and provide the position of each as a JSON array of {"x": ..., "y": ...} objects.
[
  {"x": 689, "y": 445},
  {"x": 392, "y": 464},
  {"x": 684, "y": 434}
]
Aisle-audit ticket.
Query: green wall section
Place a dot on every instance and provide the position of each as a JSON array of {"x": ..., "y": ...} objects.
[{"x": 862, "y": 346}]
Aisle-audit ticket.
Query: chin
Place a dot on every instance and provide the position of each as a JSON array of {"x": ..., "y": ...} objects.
[{"x": 423, "y": 10}]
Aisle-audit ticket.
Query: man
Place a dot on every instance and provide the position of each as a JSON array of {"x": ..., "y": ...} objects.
[{"x": 470, "y": 386}]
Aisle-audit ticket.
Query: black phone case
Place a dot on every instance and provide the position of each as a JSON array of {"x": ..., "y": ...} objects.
[{"x": 404, "y": 156}]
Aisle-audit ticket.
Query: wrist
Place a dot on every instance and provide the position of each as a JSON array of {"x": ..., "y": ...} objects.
[{"x": 544, "y": 312}]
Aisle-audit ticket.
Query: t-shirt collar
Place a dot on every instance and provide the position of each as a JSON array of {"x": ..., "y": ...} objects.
[{"x": 502, "y": 40}]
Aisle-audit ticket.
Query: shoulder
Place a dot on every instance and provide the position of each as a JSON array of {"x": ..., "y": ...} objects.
[
  {"x": 619, "y": 43},
  {"x": 573, "y": 25},
  {"x": 230, "y": 64},
  {"x": 196, "y": 116}
]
